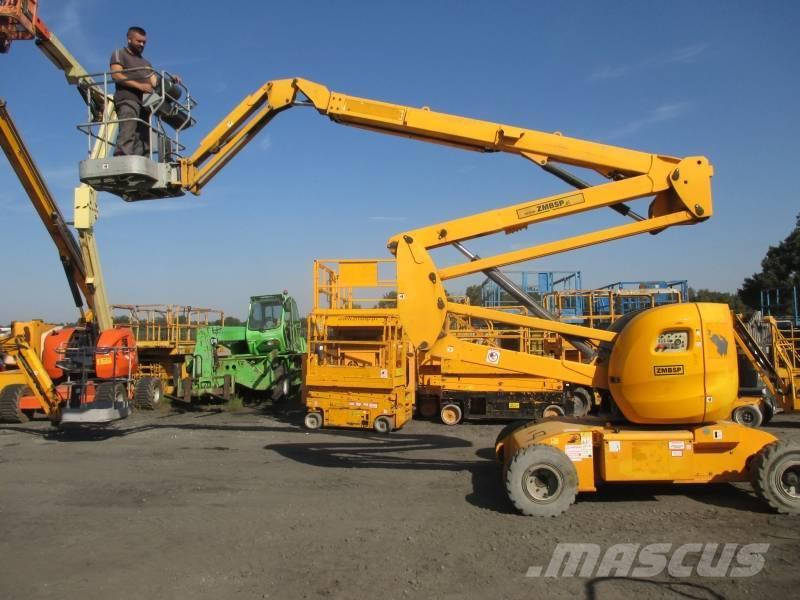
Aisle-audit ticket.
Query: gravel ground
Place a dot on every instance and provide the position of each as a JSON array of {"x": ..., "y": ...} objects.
[{"x": 243, "y": 504}]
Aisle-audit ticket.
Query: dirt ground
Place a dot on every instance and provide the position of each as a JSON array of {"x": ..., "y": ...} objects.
[{"x": 246, "y": 505}]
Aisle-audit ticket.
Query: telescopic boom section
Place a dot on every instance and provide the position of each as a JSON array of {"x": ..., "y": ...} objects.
[
  {"x": 252, "y": 114},
  {"x": 682, "y": 196},
  {"x": 46, "y": 207}
]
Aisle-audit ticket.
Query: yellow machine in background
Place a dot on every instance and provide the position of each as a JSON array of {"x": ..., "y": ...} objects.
[
  {"x": 21, "y": 370},
  {"x": 165, "y": 335},
  {"x": 360, "y": 369}
]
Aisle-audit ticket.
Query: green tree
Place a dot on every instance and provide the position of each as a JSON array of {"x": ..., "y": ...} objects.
[
  {"x": 473, "y": 292},
  {"x": 705, "y": 295},
  {"x": 780, "y": 270},
  {"x": 229, "y": 321},
  {"x": 389, "y": 300}
]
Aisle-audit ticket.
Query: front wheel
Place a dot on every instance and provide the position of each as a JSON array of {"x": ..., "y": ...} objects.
[
  {"x": 541, "y": 481},
  {"x": 383, "y": 424},
  {"x": 451, "y": 414},
  {"x": 10, "y": 397},
  {"x": 776, "y": 476}
]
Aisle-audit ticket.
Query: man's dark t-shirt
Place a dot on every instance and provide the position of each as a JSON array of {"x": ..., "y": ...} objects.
[{"x": 128, "y": 60}]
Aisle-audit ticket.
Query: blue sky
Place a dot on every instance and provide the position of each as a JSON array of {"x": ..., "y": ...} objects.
[{"x": 717, "y": 78}]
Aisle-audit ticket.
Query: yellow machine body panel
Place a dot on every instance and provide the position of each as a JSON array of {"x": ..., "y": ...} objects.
[
  {"x": 359, "y": 408},
  {"x": 360, "y": 366},
  {"x": 600, "y": 453},
  {"x": 675, "y": 364},
  {"x": 33, "y": 332}
]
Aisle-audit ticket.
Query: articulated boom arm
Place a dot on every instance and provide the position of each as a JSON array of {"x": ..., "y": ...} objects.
[
  {"x": 254, "y": 112},
  {"x": 682, "y": 195}
]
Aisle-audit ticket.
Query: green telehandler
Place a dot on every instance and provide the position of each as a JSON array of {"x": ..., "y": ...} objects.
[{"x": 258, "y": 362}]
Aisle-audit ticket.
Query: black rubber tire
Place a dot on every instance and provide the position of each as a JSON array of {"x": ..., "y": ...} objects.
[
  {"x": 582, "y": 401},
  {"x": 147, "y": 393},
  {"x": 427, "y": 407},
  {"x": 10, "y": 411},
  {"x": 555, "y": 410},
  {"x": 536, "y": 467},
  {"x": 511, "y": 428},
  {"x": 109, "y": 393},
  {"x": 775, "y": 475},
  {"x": 383, "y": 424},
  {"x": 747, "y": 415},
  {"x": 451, "y": 414},
  {"x": 767, "y": 411},
  {"x": 313, "y": 420}
]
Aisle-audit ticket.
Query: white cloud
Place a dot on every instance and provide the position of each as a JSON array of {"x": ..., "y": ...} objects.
[
  {"x": 665, "y": 112},
  {"x": 683, "y": 55},
  {"x": 604, "y": 73},
  {"x": 686, "y": 54}
]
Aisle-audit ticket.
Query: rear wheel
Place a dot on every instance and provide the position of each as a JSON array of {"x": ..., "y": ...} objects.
[
  {"x": 451, "y": 414},
  {"x": 581, "y": 401},
  {"x": 427, "y": 407},
  {"x": 541, "y": 481},
  {"x": 110, "y": 393},
  {"x": 147, "y": 393},
  {"x": 313, "y": 420},
  {"x": 767, "y": 411},
  {"x": 553, "y": 410},
  {"x": 10, "y": 396},
  {"x": 748, "y": 415},
  {"x": 776, "y": 476}
]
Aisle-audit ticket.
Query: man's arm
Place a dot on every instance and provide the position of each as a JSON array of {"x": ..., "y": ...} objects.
[{"x": 122, "y": 79}]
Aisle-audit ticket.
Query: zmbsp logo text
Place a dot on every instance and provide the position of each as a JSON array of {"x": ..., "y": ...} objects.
[{"x": 651, "y": 560}]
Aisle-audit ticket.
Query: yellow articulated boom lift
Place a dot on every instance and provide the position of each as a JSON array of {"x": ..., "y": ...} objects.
[{"x": 670, "y": 371}]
